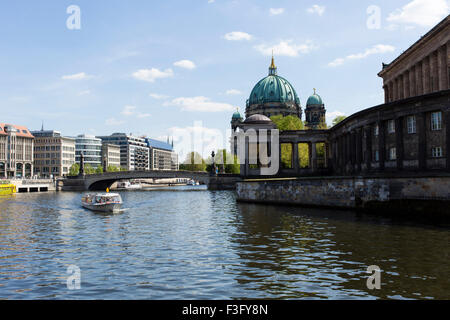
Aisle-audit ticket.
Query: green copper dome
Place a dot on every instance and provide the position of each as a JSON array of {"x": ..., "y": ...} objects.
[
  {"x": 236, "y": 116},
  {"x": 273, "y": 88},
  {"x": 315, "y": 99}
]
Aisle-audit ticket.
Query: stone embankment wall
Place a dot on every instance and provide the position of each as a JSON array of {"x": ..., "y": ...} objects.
[{"x": 397, "y": 193}]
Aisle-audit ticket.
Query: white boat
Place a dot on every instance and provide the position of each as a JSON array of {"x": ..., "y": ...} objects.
[
  {"x": 127, "y": 185},
  {"x": 191, "y": 183},
  {"x": 102, "y": 202}
]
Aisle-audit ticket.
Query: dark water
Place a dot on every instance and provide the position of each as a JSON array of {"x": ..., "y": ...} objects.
[{"x": 203, "y": 245}]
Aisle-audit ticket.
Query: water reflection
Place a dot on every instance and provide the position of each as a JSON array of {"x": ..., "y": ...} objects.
[{"x": 174, "y": 244}]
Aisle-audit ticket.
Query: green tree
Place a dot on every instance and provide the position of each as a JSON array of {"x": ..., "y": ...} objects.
[
  {"x": 74, "y": 170},
  {"x": 338, "y": 119},
  {"x": 99, "y": 170},
  {"x": 291, "y": 123},
  {"x": 193, "y": 162},
  {"x": 223, "y": 157},
  {"x": 112, "y": 169},
  {"x": 88, "y": 169}
]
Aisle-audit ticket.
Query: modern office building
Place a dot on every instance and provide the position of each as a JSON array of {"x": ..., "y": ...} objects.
[
  {"x": 91, "y": 148},
  {"x": 110, "y": 155},
  {"x": 134, "y": 152},
  {"x": 16, "y": 151},
  {"x": 162, "y": 155},
  {"x": 53, "y": 153}
]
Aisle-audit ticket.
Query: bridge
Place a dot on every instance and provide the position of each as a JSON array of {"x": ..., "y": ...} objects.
[{"x": 106, "y": 180}]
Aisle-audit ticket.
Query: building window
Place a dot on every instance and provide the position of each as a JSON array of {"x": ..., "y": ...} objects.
[
  {"x": 392, "y": 154},
  {"x": 436, "y": 152},
  {"x": 411, "y": 123},
  {"x": 436, "y": 121},
  {"x": 376, "y": 156},
  {"x": 391, "y": 126},
  {"x": 376, "y": 130}
]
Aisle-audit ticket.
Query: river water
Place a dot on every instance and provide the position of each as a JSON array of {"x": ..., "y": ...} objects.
[{"x": 190, "y": 243}]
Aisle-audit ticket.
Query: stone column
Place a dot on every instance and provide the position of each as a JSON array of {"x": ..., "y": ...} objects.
[
  {"x": 391, "y": 91},
  {"x": 412, "y": 82},
  {"x": 442, "y": 68},
  {"x": 434, "y": 75},
  {"x": 368, "y": 131},
  {"x": 359, "y": 157},
  {"x": 313, "y": 155},
  {"x": 295, "y": 158},
  {"x": 386, "y": 93},
  {"x": 426, "y": 75},
  {"x": 446, "y": 118},
  {"x": 382, "y": 143},
  {"x": 422, "y": 128},
  {"x": 400, "y": 87},
  {"x": 406, "y": 85},
  {"x": 399, "y": 142},
  {"x": 419, "y": 81}
]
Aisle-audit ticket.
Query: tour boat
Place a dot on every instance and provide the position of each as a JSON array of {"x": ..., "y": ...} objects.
[
  {"x": 7, "y": 189},
  {"x": 192, "y": 183},
  {"x": 102, "y": 202},
  {"x": 127, "y": 185}
]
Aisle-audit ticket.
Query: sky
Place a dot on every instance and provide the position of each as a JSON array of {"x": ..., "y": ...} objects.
[{"x": 173, "y": 68}]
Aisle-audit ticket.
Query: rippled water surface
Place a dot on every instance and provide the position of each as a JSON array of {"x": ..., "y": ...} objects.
[{"x": 198, "y": 244}]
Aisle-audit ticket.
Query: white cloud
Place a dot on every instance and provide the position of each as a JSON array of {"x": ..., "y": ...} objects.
[
  {"x": 77, "y": 76},
  {"x": 316, "y": 9},
  {"x": 276, "y": 11},
  {"x": 132, "y": 111},
  {"x": 233, "y": 92},
  {"x": 211, "y": 1},
  {"x": 113, "y": 122},
  {"x": 186, "y": 64},
  {"x": 377, "y": 49},
  {"x": 150, "y": 75},
  {"x": 128, "y": 110},
  {"x": 425, "y": 13},
  {"x": 158, "y": 96},
  {"x": 238, "y": 36},
  {"x": 286, "y": 48},
  {"x": 85, "y": 92},
  {"x": 201, "y": 104}
]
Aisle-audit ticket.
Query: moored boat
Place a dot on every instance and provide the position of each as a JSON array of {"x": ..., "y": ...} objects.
[
  {"x": 127, "y": 185},
  {"x": 102, "y": 202},
  {"x": 7, "y": 189}
]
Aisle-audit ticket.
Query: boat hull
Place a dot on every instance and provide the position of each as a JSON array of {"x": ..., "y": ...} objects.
[
  {"x": 109, "y": 207},
  {"x": 7, "y": 189}
]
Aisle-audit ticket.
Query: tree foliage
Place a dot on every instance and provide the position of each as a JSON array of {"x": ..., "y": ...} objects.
[
  {"x": 74, "y": 170},
  {"x": 338, "y": 119},
  {"x": 193, "y": 162}
]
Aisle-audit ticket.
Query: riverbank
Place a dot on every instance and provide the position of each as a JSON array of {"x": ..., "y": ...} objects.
[{"x": 423, "y": 195}]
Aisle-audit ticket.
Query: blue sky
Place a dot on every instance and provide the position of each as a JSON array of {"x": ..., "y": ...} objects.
[{"x": 155, "y": 67}]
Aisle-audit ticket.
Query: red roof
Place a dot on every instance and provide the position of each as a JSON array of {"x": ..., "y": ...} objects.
[{"x": 21, "y": 130}]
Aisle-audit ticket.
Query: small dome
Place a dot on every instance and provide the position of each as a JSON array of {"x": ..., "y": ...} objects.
[
  {"x": 236, "y": 116},
  {"x": 257, "y": 118},
  {"x": 315, "y": 99}
]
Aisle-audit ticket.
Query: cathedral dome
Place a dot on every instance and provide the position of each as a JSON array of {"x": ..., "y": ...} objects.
[
  {"x": 236, "y": 116},
  {"x": 273, "y": 88},
  {"x": 315, "y": 99}
]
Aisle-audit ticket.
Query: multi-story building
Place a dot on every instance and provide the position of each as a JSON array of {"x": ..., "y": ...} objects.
[
  {"x": 110, "y": 155},
  {"x": 421, "y": 69},
  {"x": 162, "y": 155},
  {"x": 53, "y": 153},
  {"x": 16, "y": 151},
  {"x": 134, "y": 152},
  {"x": 91, "y": 148}
]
